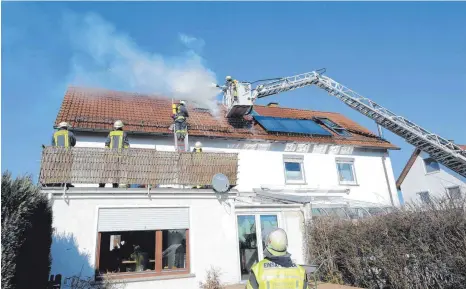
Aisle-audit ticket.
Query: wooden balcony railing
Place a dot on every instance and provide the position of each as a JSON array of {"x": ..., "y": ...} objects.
[{"x": 134, "y": 166}]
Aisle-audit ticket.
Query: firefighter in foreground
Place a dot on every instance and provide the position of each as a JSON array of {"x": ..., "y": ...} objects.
[
  {"x": 117, "y": 139},
  {"x": 180, "y": 116},
  {"x": 277, "y": 270}
]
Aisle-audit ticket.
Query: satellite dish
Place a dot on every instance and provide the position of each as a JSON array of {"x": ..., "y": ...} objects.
[{"x": 220, "y": 183}]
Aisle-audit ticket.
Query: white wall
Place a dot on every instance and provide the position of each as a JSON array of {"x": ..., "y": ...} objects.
[
  {"x": 261, "y": 163},
  {"x": 417, "y": 180},
  {"x": 212, "y": 236}
]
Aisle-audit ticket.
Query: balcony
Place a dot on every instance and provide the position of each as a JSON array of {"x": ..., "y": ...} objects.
[{"x": 81, "y": 165}]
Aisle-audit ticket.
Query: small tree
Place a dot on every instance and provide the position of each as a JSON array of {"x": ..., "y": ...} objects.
[
  {"x": 212, "y": 280},
  {"x": 26, "y": 234}
]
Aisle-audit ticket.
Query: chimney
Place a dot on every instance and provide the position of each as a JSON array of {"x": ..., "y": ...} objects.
[{"x": 272, "y": 104}]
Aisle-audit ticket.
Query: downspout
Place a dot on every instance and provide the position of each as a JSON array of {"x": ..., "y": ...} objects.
[
  {"x": 306, "y": 211},
  {"x": 379, "y": 128}
]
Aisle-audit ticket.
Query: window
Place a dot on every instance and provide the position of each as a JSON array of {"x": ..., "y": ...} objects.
[
  {"x": 294, "y": 172},
  {"x": 431, "y": 165},
  {"x": 333, "y": 126},
  {"x": 425, "y": 197},
  {"x": 346, "y": 173},
  {"x": 136, "y": 242},
  {"x": 454, "y": 193}
]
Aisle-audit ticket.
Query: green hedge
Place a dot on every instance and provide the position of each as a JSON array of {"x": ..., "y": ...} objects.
[
  {"x": 416, "y": 247},
  {"x": 26, "y": 234}
]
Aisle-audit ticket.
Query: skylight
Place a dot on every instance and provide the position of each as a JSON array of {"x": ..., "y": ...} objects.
[{"x": 333, "y": 126}]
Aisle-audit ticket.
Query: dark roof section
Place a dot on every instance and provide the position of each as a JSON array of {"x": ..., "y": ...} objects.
[{"x": 96, "y": 110}]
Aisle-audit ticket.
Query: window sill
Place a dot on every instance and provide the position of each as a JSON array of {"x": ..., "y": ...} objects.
[
  {"x": 288, "y": 183},
  {"x": 120, "y": 278},
  {"x": 349, "y": 184}
]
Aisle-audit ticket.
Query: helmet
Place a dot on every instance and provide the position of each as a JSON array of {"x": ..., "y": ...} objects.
[
  {"x": 63, "y": 124},
  {"x": 182, "y": 102},
  {"x": 198, "y": 144},
  {"x": 228, "y": 78},
  {"x": 277, "y": 242},
  {"x": 118, "y": 124}
]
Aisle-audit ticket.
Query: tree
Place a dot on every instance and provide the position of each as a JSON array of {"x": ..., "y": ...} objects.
[{"x": 26, "y": 234}]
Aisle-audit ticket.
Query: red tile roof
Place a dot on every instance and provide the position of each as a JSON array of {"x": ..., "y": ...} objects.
[{"x": 97, "y": 109}]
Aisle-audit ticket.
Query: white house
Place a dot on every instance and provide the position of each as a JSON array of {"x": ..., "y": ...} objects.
[
  {"x": 289, "y": 165},
  {"x": 423, "y": 178}
]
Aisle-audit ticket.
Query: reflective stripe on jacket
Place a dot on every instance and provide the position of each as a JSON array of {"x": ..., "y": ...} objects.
[
  {"x": 270, "y": 275},
  {"x": 62, "y": 138},
  {"x": 197, "y": 150},
  {"x": 117, "y": 139}
]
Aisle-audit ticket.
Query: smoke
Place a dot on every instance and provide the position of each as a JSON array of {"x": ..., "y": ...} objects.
[{"x": 107, "y": 58}]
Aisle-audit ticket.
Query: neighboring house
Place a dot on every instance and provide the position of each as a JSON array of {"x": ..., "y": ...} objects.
[
  {"x": 330, "y": 165},
  {"x": 423, "y": 179}
]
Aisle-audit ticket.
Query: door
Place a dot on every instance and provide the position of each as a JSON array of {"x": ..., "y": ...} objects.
[{"x": 251, "y": 239}]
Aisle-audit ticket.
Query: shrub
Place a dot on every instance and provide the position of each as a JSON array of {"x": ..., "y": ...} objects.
[
  {"x": 414, "y": 247},
  {"x": 212, "y": 280},
  {"x": 26, "y": 234}
]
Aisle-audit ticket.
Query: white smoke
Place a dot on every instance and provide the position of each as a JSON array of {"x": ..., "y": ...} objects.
[{"x": 107, "y": 58}]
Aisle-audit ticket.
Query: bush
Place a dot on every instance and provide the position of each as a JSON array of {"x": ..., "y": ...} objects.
[
  {"x": 26, "y": 234},
  {"x": 212, "y": 280},
  {"x": 415, "y": 247}
]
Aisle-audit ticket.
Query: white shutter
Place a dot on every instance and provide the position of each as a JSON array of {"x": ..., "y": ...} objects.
[{"x": 141, "y": 219}]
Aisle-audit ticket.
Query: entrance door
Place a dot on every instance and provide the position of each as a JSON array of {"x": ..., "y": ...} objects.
[{"x": 251, "y": 239}]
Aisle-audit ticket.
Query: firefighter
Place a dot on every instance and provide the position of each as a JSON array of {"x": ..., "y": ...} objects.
[
  {"x": 180, "y": 118},
  {"x": 63, "y": 137},
  {"x": 277, "y": 270},
  {"x": 197, "y": 147},
  {"x": 116, "y": 139},
  {"x": 231, "y": 84}
]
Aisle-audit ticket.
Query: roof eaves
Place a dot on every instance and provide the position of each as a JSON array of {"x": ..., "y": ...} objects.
[{"x": 407, "y": 167}]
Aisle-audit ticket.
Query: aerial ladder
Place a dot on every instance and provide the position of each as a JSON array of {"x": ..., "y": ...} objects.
[{"x": 442, "y": 150}]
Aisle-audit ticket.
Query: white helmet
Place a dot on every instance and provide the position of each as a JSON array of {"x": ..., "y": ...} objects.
[
  {"x": 63, "y": 124},
  {"x": 198, "y": 145},
  {"x": 182, "y": 102},
  {"x": 277, "y": 242},
  {"x": 228, "y": 78},
  {"x": 118, "y": 124}
]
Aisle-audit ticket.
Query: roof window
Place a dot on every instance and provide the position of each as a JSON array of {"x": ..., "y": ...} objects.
[{"x": 333, "y": 126}]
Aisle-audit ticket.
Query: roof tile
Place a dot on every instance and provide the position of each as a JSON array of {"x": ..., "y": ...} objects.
[{"x": 97, "y": 109}]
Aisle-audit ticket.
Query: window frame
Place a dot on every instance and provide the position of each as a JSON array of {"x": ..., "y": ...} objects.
[
  {"x": 158, "y": 261},
  {"x": 288, "y": 158},
  {"x": 425, "y": 166},
  {"x": 353, "y": 168},
  {"x": 333, "y": 126},
  {"x": 459, "y": 192},
  {"x": 428, "y": 196}
]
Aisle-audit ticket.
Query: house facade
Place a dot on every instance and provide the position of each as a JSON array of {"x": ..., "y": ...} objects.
[
  {"x": 423, "y": 179},
  {"x": 166, "y": 233}
]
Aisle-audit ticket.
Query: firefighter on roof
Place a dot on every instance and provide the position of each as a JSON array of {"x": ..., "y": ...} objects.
[
  {"x": 63, "y": 137},
  {"x": 277, "y": 270},
  {"x": 180, "y": 116},
  {"x": 116, "y": 139}
]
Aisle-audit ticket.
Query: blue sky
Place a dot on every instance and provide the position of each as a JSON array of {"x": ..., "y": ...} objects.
[{"x": 408, "y": 57}]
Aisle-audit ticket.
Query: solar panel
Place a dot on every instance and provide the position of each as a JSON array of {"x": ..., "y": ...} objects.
[{"x": 289, "y": 125}]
